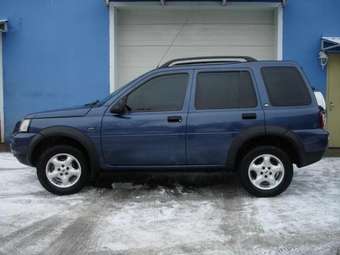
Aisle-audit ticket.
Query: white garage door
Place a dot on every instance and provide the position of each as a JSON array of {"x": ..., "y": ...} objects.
[{"x": 147, "y": 37}]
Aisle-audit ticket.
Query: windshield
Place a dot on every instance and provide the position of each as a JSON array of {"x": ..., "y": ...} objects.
[{"x": 103, "y": 101}]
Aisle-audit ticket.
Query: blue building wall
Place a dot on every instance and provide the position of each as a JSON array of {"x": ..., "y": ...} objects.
[
  {"x": 305, "y": 22},
  {"x": 55, "y": 54}
]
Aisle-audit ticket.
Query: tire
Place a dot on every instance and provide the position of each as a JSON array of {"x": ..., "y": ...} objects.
[
  {"x": 62, "y": 170},
  {"x": 266, "y": 171}
]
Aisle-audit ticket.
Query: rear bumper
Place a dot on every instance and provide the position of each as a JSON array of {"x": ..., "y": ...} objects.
[
  {"x": 315, "y": 144},
  {"x": 20, "y": 144},
  {"x": 311, "y": 157}
]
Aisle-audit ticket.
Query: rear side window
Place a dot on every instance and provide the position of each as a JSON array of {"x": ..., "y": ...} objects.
[
  {"x": 162, "y": 93},
  {"x": 222, "y": 90},
  {"x": 285, "y": 86}
]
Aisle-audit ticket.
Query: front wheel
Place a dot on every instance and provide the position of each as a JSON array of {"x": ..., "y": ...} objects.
[
  {"x": 62, "y": 170},
  {"x": 266, "y": 171}
]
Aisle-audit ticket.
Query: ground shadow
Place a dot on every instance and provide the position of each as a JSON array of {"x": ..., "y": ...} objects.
[{"x": 170, "y": 180}]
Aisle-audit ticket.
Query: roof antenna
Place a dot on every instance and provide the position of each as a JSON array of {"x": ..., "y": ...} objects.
[{"x": 173, "y": 41}]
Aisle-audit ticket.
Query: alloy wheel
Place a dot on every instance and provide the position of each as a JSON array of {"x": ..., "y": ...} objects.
[
  {"x": 63, "y": 170},
  {"x": 266, "y": 172}
]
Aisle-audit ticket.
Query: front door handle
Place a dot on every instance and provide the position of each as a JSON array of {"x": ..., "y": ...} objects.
[
  {"x": 249, "y": 116},
  {"x": 174, "y": 118}
]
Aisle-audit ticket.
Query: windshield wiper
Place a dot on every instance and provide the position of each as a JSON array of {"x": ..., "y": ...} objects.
[{"x": 92, "y": 104}]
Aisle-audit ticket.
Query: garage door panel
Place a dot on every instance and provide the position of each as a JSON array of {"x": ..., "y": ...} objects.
[
  {"x": 193, "y": 34},
  {"x": 144, "y": 61},
  {"x": 141, "y": 55},
  {"x": 147, "y": 34},
  {"x": 151, "y": 55},
  {"x": 166, "y": 16},
  {"x": 151, "y": 17},
  {"x": 130, "y": 73},
  {"x": 147, "y": 37},
  {"x": 179, "y": 52},
  {"x": 231, "y": 17},
  {"x": 206, "y": 35}
]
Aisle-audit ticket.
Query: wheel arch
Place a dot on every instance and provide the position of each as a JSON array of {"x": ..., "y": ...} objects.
[
  {"x": 270, "y": 135},
  {"x": 65, "y": 135}
]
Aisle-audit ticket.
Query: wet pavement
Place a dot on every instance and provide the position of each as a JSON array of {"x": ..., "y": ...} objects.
[{"x": 158, "y": 214}]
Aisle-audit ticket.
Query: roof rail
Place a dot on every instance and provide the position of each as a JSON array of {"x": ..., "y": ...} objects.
[{"x": 210, "y": 59}]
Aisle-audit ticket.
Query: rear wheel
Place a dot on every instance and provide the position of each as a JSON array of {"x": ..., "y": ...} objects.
[
  {"x": 266, "y": 171},
  {"x": 62, "y": 170}
]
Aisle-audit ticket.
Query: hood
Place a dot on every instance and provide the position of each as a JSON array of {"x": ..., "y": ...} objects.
[{"x": 61, "y": 113}]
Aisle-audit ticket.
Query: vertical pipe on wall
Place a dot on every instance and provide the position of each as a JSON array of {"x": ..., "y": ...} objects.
[
  {"x": 113, "y": 12},
  {"x": 2, "y": 114}
]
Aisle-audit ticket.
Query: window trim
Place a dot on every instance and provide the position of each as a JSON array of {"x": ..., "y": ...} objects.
[
  {"x": 156, "y": 75},
  {"x": 193, "y": 96},
  {"x": 302, "y": 77}
]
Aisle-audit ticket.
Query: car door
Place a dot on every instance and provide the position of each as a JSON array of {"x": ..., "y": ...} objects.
[
  {"x": 223, "y": 103},
  {"x": 152, "y": 132}
]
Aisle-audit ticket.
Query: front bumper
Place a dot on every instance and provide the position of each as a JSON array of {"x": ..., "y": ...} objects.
[{"x": 21, "y": 144}]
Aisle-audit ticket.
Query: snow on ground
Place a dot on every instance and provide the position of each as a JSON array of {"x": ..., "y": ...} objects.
[{"x": 214, "y": 216}]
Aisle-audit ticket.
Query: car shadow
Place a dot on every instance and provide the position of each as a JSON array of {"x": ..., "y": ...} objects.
[{"x": 229, "y": 182}]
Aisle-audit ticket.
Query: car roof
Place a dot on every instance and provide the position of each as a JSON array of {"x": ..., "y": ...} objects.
[{"x": 259, "y": 63}]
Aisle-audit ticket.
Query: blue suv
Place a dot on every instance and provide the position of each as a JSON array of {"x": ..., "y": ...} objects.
[{"x": 256, "y": 118}]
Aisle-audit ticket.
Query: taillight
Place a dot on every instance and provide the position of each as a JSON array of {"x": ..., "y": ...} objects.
[{"x": 322, "y": 118}]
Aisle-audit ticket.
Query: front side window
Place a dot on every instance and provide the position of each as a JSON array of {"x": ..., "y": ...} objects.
[
  {"x": 162, "y": 93},
  {"x": 222, "y": 90},
  {"x": 285, "y": 86}
]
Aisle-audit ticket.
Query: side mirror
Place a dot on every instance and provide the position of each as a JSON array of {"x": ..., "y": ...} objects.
[{"x": 120, "y": 106}]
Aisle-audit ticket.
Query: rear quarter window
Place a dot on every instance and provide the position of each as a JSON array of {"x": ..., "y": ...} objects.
[{"x": 285, "y": 86}]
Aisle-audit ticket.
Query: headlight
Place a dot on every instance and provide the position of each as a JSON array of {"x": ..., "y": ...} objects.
[{"x": 24, "y": 125}]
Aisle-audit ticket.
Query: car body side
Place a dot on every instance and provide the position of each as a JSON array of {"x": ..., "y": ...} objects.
[{"x": 295, "y": 128}]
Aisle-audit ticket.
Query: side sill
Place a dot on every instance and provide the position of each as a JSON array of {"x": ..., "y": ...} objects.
[{"x": 166, "y": 168}]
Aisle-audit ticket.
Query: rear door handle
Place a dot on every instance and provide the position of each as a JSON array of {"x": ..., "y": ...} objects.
[
  {"x": 174, "y": 118},
  {"x": 249, "y": 116}
]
